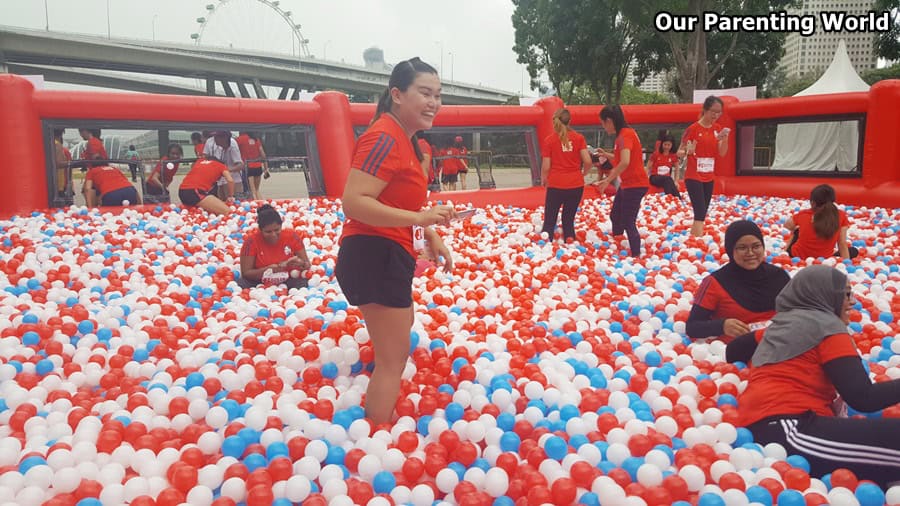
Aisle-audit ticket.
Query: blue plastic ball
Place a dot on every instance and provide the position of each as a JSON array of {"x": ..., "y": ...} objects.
[
  {"x": 384, "y": 482},
  {"x": 556, "y": 448},
  {"x": 790, "y": 498},
  {"x": 869, "y": 494}
]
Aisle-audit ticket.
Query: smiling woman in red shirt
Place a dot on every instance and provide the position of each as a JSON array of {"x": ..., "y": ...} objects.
[
  {"x": 628, "y": 166},
  {"x": 272, "y": 254},
  {"x": 740, "y": 296},
  {"x": 112, "y": 186},
  {"x": 386, "y": 225},
  {"x": 162, "y": 175},
  {"x": 662, "y": 164},
  {"x": 703, "y": 143},
  {"x": 565, "y": 162},
  {"x": 802, "y": 362},
  {"x": 821, "y": 228}
]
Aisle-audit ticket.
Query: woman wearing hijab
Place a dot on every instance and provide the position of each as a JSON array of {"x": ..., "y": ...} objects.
[
  {"x": 804, "y": 359},
  {"x": 740, "y": 296}
]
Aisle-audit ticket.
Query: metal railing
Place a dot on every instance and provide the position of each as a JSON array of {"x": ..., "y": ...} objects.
[{"x": 485, "y": 173}]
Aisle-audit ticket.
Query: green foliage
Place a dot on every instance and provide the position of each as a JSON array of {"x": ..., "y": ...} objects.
[
  {"x": 887, "y": 44},
  {"x": 875, "y": 75},
  {"x": 633, "y": 95}
]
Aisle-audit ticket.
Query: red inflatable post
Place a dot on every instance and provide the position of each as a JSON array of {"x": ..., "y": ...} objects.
[
  {"x": 545, "y": 126},
  {"x": 20, "y": 142},
  {"x": 881, "y": 155},
  {"x": 334, "y": 135}
]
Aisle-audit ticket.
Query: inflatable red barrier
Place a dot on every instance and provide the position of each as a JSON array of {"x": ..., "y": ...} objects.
[{"x": 24, "y": 140}]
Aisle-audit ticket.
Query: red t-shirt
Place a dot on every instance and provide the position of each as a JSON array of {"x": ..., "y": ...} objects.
[
  {"x": 425, "y": 148},
  {"x": 289, "y": 244},
  {"x": 67, "y": 153},
  {"x": 701, "y": 165},
  {"x": 94, "y": 150},
  {"x": 454, "y": 165},
  {"x": 663, "y": 165},
  {"x": 449, "y": 166},
  {"x": 809, "y": 244},
  {"x": 165, "y": 175},
  {"x": 713, "y": 297},
  {"x": 634, "y": 176},
  {"x": 565, "y": 161},
  {"x": 198, "y": 150},
  {"x": 106, "y": 179},
  {"x": 250, "y": 150},
  {"x": 794, "y": 386},
  {"x": 386, "y": 152},
  {"x": 203, "y": 175}
]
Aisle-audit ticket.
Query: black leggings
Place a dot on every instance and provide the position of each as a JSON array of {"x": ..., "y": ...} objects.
[
  {"x": 852, "y": 251},
  {"x": 867, "y": 446},
  {"x": 625, "y": 208},
  {"x": 568, "y": 199},
  {"x": 701, "y": 195},
  {"x": 667, "y": 184}
]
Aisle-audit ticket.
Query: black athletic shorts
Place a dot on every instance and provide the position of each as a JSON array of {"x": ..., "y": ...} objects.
[
  {"x": 254, "y": 172},
  {"x": 119, "y": 197},
  {"x": 449, "y": 178},
  {"x": 191, "y": 197},
  {"x": 372, "y": 269}
]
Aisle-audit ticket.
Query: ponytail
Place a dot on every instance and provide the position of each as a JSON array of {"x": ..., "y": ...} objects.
[
  {"x": 826, "y": 219},
  {"x": 561, "y": 119},
  {"x": 384, "y": 105}
]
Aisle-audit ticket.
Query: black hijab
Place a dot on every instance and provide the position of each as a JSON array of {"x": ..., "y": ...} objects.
[{"x": 754, "y": 290}]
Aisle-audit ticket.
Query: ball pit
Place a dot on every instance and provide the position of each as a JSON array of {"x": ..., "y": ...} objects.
[{"x": 133, "y": 369}]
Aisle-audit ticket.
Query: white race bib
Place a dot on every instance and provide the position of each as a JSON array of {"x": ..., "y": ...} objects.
[
  {"x": 663, "y": 170},
  {"x": 760, "y": 325},
  {"x": 418, "y": 237},
  {"x": 706, "y": 165},
  {"x": 270, "y": 277}
]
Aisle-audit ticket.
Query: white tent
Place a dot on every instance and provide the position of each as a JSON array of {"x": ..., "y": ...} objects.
[{"x": 823, "y": 146}]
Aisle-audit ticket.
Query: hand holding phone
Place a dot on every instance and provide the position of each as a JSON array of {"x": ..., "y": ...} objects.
[{"x": 464, "y": 214}]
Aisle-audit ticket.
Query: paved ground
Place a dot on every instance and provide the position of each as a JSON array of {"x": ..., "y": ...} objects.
[{"x": 288, "y": 185}]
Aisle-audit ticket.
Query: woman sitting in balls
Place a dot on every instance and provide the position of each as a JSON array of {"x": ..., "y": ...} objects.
[
  {"x": 803, "y": 360},
  {"x": 272, "y": 255},
  {"x": 111, "y": 185},
  {"x": 162, "y": 175},
  {"x": 821, "y": 228},
  {"x": 198, "y": 188},
  {"x": 740, "y": 296}
]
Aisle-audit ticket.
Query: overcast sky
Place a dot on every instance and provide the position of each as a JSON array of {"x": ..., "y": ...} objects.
[{"x": 476, "y": 35}]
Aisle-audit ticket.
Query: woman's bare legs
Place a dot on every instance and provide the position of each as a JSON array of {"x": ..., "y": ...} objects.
[{"x": 389, "y": 329}]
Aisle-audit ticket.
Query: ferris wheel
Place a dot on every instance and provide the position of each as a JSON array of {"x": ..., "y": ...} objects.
[{"x": 256, "y": 25}]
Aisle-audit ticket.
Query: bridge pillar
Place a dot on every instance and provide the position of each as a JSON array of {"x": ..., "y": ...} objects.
[
  {"x": 3, "y": 67},
  {"x": 227, "y": 87},
  {"x": 163, "y": 138},
  {"x": 211, "y": 87},
  {"x": 258, "y": 89},
  {"x": 334, "y": 136},
  {"x": 20, "y": 140}
]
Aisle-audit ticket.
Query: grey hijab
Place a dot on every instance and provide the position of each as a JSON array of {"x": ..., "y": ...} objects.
[{"x": 807, "y": 311}]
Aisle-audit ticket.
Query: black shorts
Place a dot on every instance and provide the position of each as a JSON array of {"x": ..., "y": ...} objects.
[
  {"x": 191, "y": 197},
  {"x": 463, "y": 171},
  {"x": 372, "y": 269},
  {"x": 118, "y": 197},
  {"x": 254, "y": 171},
  {"x": 449, "y": 178},
  {"x": 152, "y": 189}
]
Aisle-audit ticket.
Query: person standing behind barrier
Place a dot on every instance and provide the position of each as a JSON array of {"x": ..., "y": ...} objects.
[
  {"x": 62, "y": 158},
  {"x": 703, "y": 142},
  {"x": 740, "y": 296},
  {"x": 158, "y": 181},
  {"x": 458, "y": 151},
  {"x": 629, "y": 167},
  {"x": 271, "y": 253},
  {"x": 93, "y": 148},
  {"x": 449, "y": 169},
  {"x": 804, "y": 360},
  {"x": 565, "y": 161},
  {"x": 222, "y": 146},
  {"x": 254, "y": 153},
  {"x": 661, "y": 166},
  {"x": 198, "y": 187},
  {"x": 821, "y": 228},
  {"x": 387, "y": 228},
  {"x": 133, "y": 155},
  {"x": 112, "y": 186},
  {"x": 199, "y": 144}
]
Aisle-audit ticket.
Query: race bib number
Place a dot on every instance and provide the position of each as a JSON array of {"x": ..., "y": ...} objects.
[
  {"x": 706, "y": 165},
  {"x": 760, "y": 325},
  {"x": 663, "y": 170},
  {"x": 418, "y": 237},
  {"x": 270, "y": 277}
]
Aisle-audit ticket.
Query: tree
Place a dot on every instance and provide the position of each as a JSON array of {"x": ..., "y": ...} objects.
[
  {"x": 634, "y": 95},
  {"x": 579, "y": 43},
  {"x": 702, "y": 59},
  {"x": 887, "y": 44},
  {"x": 875, "y": 75}
]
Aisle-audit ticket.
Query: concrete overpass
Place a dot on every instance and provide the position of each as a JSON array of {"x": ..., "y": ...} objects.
[{"x": 97, "y": 61}]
